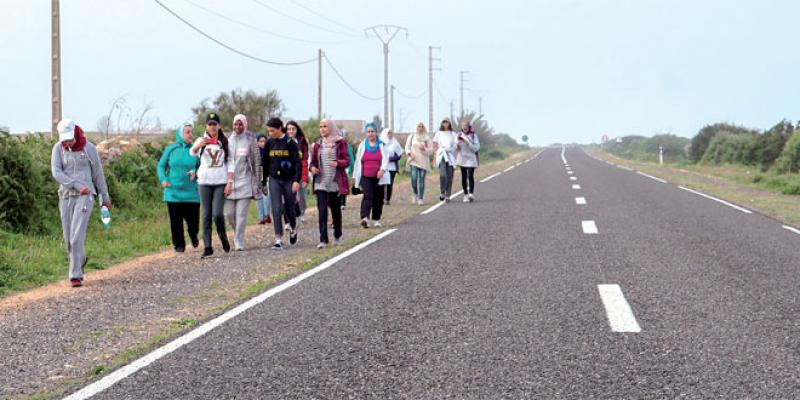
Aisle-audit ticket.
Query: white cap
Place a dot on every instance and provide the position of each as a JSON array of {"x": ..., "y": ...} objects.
[{"x": 66, "y": 130}]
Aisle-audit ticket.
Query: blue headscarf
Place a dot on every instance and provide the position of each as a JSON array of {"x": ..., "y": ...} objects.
[{"x": 370, "y": 125}]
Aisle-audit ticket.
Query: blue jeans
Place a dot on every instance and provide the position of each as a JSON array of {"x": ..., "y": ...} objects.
[
  {"x": 418, "y": 181},
  {"x": 264, "y": 207}
]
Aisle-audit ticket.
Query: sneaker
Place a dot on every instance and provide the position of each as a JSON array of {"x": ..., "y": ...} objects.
[
  {"x": 414, "y": 199},
  {"x": 85, "y": 261},
  {"x": 377, "y": 224},
  {"x": 293, "y": 237},
  {"x": 343, "y": 207},
  {"x": 466, "y": 199},
  {"x": 471, "y": 197},
  {"x": 269, "y": 219},
  {"x": 226, "y": 246},
  {"x": 386, "y": 203},
  {"x": 447, "y": 199},
  {"x": 208, "y": 252},
  {"x": 76, "y": 282},
  {"x": 195, "y": 242},
  {"x": 322, "y": 246},
  {"x": 180, "y": 249},
  {"x": 420, "y": 202},
  {"x": 278, "y": 245},
  {"x": 239, "y": 249},
  {"x": 337, "y": 241},
  {"x": 364, "y": 223},
  {"x": 441, "y": 197},
  {"x": 303, "y": 219}
]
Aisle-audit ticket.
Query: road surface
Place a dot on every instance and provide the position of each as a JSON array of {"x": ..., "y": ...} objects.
[{"x": 609, "y": 285}]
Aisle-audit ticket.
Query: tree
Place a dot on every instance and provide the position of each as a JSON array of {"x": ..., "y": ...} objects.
[
  {"x": 525, "y": 139},
  {"x": 378, "y": 122},
  {"x": 703, "y": 138},
  {"x": 258, "y": 108}
]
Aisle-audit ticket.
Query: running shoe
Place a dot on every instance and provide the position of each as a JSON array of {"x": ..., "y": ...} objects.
[
  {"x": 278, "y": 245},
  {"x": 364, "y": 223}
]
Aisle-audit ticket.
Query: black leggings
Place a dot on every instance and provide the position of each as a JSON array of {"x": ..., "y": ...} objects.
[
  {"x": 468, "y": 176},
  {"x": 389, "y": 187},
  {"x": 179, "y": 212},
  {"x": 372, "y": 202},
  {"x": 326, "y": 200}
]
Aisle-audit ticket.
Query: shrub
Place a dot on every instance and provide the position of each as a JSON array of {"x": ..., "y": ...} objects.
[
  {"x": 701, "y": 142},
  {"x": 731, "y": 148},
  {"x": 789, "y": 160}
]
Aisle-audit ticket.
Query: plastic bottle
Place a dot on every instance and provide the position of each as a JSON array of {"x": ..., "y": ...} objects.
[{"x": 105, "y": 215}]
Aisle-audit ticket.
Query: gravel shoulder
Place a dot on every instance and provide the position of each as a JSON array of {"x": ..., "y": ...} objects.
[{"x": 56, "y": 338}]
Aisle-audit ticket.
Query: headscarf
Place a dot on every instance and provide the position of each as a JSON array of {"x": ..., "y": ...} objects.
[
  {"x": 240, "y": 117},
  {"x": 370, "y": 125},
  {"x": 80, "y": 140},
  {"x": 424, "y": 131},
  {"x": 385, "y": 136},
  {"x": 332, "y": 130}
]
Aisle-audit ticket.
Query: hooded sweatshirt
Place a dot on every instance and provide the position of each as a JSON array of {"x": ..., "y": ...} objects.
[
  {"x": 174, "y": 167},
  {"x": 74, "y": 169},
  {"x": 394, "y": 148},
  {"x": 419, "y": 147},
  {"x": 467, "y": 149}
]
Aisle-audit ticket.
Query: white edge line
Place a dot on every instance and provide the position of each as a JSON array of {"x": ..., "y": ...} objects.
[
  {"x": 509, "y": 168},
  {"x": 130, "y": 369},
  {"x": 456, "y": 194},
  {"x": 742, "y": 209},
  {"x": 432, "y": 208},
  {"x": 619, "y": 313},
  {"x": 626, "y": 168},
  {"x": 655, "y": 178},
  {"x": 791, "y": 228},
  {"x": 490, "y": 177}
]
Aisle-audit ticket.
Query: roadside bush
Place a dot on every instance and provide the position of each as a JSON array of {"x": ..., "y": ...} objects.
[
  {"x": 701, "y": 142},
  {"x": 731, "y": 148},
  {"x": 789, "y": 160},
  {"x": 133, "y": 181}
]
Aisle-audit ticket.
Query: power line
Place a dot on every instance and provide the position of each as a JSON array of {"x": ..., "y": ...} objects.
[
  {"x": 333, "y": 21},
  {"x": 348, "y": 83},
  {"x": 407, "y": 96},
  {"x": 253, "y": 27},
  {"x": 239, "y": 52},
  {"x": 292, "y": 17}
]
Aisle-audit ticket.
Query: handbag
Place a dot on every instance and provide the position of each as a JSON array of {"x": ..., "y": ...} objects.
[{"x": 355, "y": 191}]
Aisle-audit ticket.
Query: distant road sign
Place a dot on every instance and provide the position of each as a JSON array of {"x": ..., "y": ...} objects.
[{"x": 605, "y": 138}]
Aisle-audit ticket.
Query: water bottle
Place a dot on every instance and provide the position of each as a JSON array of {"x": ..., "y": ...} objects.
[{"x": 105, "y": 215}]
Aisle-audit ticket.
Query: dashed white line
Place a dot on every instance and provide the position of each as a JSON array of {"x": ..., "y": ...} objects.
[
  {"x": 456, "y": 194},
  {"x": 792, "y": 229},
  {"x": 490, "y": 177},
  {"x": 742, "y": 209},
  {"x": 580, "y": 201},
  {"x": 563, "y": 150},
  {"x": 122, "y": 373},
  {"x": 576, "y": 187},
  {"x": 569, "y": 172},
  {"x": 572, "y": 178},
  {"x": 620, "y": 315},
  {"x": 655, "y": 178},
  {"x": 432, "y": 208},
  {"x": 589, "y": 227},
  {"x": 509, "y": 168},
  {"x": 626, "y": 168}
]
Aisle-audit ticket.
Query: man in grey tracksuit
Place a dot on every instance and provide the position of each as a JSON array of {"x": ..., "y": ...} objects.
[{"x": 76, "y": 166}]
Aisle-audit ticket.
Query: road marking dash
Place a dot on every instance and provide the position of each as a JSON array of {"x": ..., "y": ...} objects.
[
  {"x": 742, "y": 209},
  {"x": 792, "y": 229},
  {"x": 490, "y": 177},
  {"x": 589, "y": 227},
  {"x": 620, "y": 315},
  {"x": 569, "y": 172},
  {"x": 576, "y": 187},
  {"x": 580, "y": 200},
  {"x": 655, "y": 178},
  {"x": 456, "y": 194},
  {"x": 626, "y": 168},
  {"x": 509, "y": 168},
  {"x": 572, "y": 178}
]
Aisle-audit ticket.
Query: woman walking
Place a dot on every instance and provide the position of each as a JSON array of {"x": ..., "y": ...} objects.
[
  {"x": 467, "y": 147},
  {"x": 282, "y": 167},
  {"x": 395, "y": 151},
  {"x": 214, "y": 181},
  {"x": 75, "y": 165},
  {"x": 370, "y": 175},
  {"x": 178, "y": 176},
  {"x": 245, "y": 166},
  {"x": 444, "y": 147},
  {"x": 419, "y": 148},
  {"x": 264, "y": 206},
  {"x": 329, "y": 161},
  {"x": 343, "y": 197},
  {"x": 296, "y": 134}
]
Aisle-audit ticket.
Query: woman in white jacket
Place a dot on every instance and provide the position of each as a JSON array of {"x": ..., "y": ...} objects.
[
  {"x": 395, "y": 154},
  {"x": 467, "y": 147},
  {"x": 444, "y": 150},
  {"x": 370, "y": 175}
]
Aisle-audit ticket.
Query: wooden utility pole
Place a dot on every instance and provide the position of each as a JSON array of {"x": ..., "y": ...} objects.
[
  {"x": 319, "y": 84},
  {"x": 389, "y": 32},
  {"x": 430, "y": 83},
  {"x": 55, "y": 28},
  {"x": 462, "y": 91}
]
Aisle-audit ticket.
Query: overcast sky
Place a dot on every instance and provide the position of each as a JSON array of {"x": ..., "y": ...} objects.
[{"x": 559, "y": 71}]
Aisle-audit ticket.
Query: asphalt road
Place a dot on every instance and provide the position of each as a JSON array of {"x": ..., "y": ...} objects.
[{"x": 676, "y": 295}]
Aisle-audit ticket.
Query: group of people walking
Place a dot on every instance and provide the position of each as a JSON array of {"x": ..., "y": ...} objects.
[{"x": 225, "y": 173}]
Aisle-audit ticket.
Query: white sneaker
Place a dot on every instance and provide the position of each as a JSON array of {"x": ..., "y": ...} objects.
[
  {"x": 420, "y": 202},
  {"x": 321, "y": 246},
  {"x": 337, "y": 242},
  {"x": 466, "y": 199},
  {"x": 365, "y": 223},
  {"x": 471, "y": 197},
  {"x": 414, "y": 199},
  {"x": 377, "y": 224}
]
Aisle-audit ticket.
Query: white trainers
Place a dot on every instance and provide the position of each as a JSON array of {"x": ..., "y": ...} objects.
[
  {"x": 337, "y": 242},
  {"x": 377, "y": 224},
  {"x": 364, "y": 223},
  {"x": 471, "y": 197},
  {"x": 466, "y": 199},
  {"x": 322, "y": 246},
  {"x": 414, "y": 199},
  {"x": 420, "y": 202}
]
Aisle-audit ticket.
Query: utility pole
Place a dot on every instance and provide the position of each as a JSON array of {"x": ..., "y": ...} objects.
[
  {"x": 390, "y": 124},
  {"x": 389, "y": 32},
  {"x": 462, "y": 91},
  {"x": 451, "y": 109},
  {"x": 480, "y": 106},
  {"x": 319, "y": 84},
  {"x": 430, "y": 83},
  {"x": 56, "y": 63}
]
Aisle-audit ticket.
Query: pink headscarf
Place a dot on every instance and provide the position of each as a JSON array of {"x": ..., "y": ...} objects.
[
  {"x": 332, "y": 130},
  {"x": 241, "y": 117}
]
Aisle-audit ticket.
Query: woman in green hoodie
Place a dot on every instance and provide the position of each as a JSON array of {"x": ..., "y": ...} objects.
[{"x": 178, "y": 177}]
